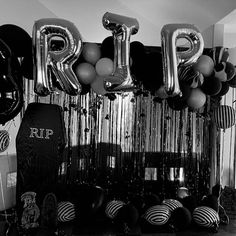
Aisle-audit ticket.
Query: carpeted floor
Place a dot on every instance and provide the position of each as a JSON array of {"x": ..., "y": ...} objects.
[
  {"x": 109, "y": 229},
  {"x": 224, "y": 230}
]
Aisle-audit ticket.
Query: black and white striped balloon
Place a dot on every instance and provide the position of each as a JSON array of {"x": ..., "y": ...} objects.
[
  {"x": 206, "y": 217},
  {"x": 189, "y": 76},
  {"x": 224, "y": 116},
  {"x": 113, "y": 207},
  {"x": 219, "y": 54},
  {"x": 157, "y": 215},
  {"x": 65, "y": 211},
  {"x": 4, "y": 140},
  {"x": 172, "y": 204}
]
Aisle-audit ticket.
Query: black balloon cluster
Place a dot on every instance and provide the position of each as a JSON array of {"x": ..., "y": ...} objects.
[
  {"x": 15, "y": 55},
  {"x": 211, "y": 76}
]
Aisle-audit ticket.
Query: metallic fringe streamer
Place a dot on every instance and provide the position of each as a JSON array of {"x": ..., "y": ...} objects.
[{"x": 120, "y": 137}]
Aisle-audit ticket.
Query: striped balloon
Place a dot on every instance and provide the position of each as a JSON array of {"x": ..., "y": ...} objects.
[
  {"x": 224, "y": 116},
  {"x": 189, "y": 76},
  {"x": 65, "y": 211},
  {"x": 206, "y": 217},
  {"x": 230, "y": 70},
  {"x": 157, "y": 215},
  {"x": 219, "y": 54},
  {"x": 113, "y": 207},
  {"x": 172, "y": 204},
  {"x": 4, "y": 140}
]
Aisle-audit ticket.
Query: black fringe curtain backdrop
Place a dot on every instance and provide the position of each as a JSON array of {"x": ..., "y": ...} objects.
[{"x": 132, "y": 144}]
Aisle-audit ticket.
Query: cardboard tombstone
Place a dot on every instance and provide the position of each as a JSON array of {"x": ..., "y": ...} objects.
[{"x": 40, "y": 143}]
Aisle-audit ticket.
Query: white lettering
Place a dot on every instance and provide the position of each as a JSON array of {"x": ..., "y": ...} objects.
[
  {"x": 49, "y": 132},
  {"x": 40, "y": 133}
]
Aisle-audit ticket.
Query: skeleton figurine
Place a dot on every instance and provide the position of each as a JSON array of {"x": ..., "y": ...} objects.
[{"x": 31, "y": 211}]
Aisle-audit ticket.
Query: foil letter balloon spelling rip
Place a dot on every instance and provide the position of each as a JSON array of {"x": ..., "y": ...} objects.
[
  {"x": 172, "y": 58},
  {"x": 57, "y": 45},
  {"x": 122, "y": 28}
]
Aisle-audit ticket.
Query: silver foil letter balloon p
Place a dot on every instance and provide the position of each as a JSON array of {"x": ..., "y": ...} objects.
[{"x": 172, "y": 58}]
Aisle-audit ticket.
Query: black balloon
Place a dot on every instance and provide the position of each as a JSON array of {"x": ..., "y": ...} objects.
[
  {"x": 152, "y": 71},
  {"x": 20, "y": 44},
  {"x": 211, "y": 86},
  {"x": 27, "y": 67},
  {"x": 157, "y": 99},
  {"x": 111, "y": 96},
  {"x": 224, "y": 89},
  {"x": 176, "y": 104},
  {"x": 88, "y": 199},
  {"x": 138, "y": 58},
  {"x": 180, "y": 102},
  {"x": 190, "y": 202},
  {"x": 107, "y": 47},
  {"x": 137, "y": 51},
  {"x": 211, "y": 201},
  {"x": 232, "y": 82},
  {"x": 181, "y": 218},
  {"x": 151, "y": 199},
  {"x": 229, "y": 70},
  {"x": 44, "y": 232},
  {"x": 85, "y": 88},
  {"x": 126, "y": 218},
  {"x": 11, "y": 90},
  {"x": 138, "y": 202},
  {"x": 17, "y": 39}
]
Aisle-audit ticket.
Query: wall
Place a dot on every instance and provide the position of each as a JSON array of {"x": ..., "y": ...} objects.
[
  {"x": 230, "y": 41},
  {"x": 227, "y": 152},
  {"x": 87, "y": 16}
]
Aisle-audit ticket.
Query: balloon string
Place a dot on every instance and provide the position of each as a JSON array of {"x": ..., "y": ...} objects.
[
  {"x": 103, "y": 128},
  {"x": 3, "y": 198},
  {"x": 96, "y": 139},
  {"x": 234, "y": 160},
  {"x": 118, "y": 150},
  {"x": 108, "y": 140},
  {"x": 79, "y": 111},
  {"x": 81, "y": 141},
  {"x": 222, "y": 151},
  {"x": 222, "y": 159},
  {"x": 163, "y": 147},
  {"x": 134, "y": 130},
  {"x": 113, "y": 113},
  {"x": 230, "y": 151},
  {"x": 8, "y": 125},
  {"x": 69, "y": 141}
]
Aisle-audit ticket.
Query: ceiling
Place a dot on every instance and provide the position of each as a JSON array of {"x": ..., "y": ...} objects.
[
  {"x": 152, "y": 15},
  {"x": 229, "y": 22},
  {"x": 202, "y": 13}
]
